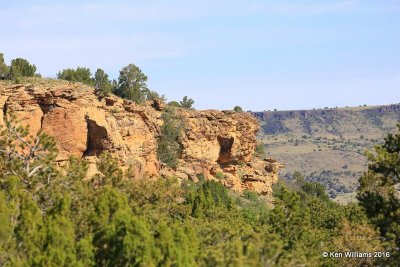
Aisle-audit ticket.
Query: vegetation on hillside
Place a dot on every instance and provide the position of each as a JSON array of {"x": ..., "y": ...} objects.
[
  {"x": 185, "y": 103},
  {"x": 327, "y": 145},
  {"x": 19, "y": 68},
  {"x": 131, "y": 83},
  {"x": 379, "y": 192},
  {"x": 52, "y": 216},
  {"x": 168, "y": 146},
  {"x": 79, "y": 74},
  {"x": 238, "y": 109}
]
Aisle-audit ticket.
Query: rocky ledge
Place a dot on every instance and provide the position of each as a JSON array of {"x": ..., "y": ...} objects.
[{"x": 218, "y": 144}]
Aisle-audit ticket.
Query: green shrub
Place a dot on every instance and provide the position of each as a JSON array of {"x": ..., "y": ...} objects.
[
  {"x": 260, "y": 149},
  {"x": 20, "y": 67},
  {"x": 219, "y": 176},
  {"x": 201, "y": 177},
  {"x": 250, "y": 195},
  {"x": 4, "y": 69},
  {"x": 79, "y": 74},
  {"x": 238, "y": 109},
  {"x": 174, "y": 104},
  {"x": 169, "y": 148},
  {"x": 186, "y": 102}
]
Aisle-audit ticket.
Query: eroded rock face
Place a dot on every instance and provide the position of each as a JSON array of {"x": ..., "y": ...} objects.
[{"x": 214, "y": 143}]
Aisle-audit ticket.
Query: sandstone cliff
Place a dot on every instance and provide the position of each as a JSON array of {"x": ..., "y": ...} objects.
[{"x": 214, "y": 143}]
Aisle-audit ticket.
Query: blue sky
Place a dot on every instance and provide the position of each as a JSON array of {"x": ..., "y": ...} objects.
[{"x": 258, "y": 54}]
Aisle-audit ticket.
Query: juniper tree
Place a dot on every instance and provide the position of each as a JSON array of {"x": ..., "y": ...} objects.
[
  {"x": 4, "y": 69},
  {"x": 132, "y": 84},
  {"x": 102, "y": 84},
  {"x": 20, "y": 67},
  {"x": 186, "y": 102},
  {"x": 79, "y": 74}
]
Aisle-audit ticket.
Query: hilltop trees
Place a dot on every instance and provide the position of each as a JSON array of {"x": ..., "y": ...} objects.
[
  {"x": 19, "y": 68},
  {"x": 238, "y": 109},
  {"x": 132, "y": 84},
  {"x": 186, "y": 102},
  {"x": 102, "y": 84},
  {"x": 100, "y": 81},
  {"x": 3, "y": 68},
  {"x": 79, "y": 74}
]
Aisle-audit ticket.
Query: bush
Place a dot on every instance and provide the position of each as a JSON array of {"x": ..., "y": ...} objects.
[
  {"x": 238, "y": 109},
  {"x": 152, "y": 95},
  {"x": 82, "y": 75},
  {"x": 174, "y": 104},
  {"x": 260, "y": 149},
  {"x": 219, "y": 176},
  {"x": 186, "y": 102},
  {"x": 201, "y": 177},
  {"x": 250, "y": 195},
  {"x": 21, "y": 68},
  {"x": 4, "y": 69},
  {"x": 169, "y": 148}
]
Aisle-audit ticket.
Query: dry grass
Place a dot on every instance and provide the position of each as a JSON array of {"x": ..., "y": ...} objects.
[{"x": 329, "y": 147}]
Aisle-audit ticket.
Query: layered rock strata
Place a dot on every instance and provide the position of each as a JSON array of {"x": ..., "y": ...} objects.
[{"x": 214, "y": 143}]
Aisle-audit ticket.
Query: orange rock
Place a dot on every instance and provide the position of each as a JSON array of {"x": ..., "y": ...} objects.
[{"x": 84, "y": 126}]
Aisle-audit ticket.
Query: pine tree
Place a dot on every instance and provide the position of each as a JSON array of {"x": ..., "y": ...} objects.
[
  {"x": 4, "y": 69},
  {"x": 132, "y": 84},
  {"x": 102, "y": 84},
  {"x": 20, "y": 67},
  {"x": 79, "y": 74}
]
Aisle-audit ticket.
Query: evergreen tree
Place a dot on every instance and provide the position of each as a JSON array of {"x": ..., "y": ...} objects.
[
  {"x": 20, "y": 67},
  {"x": 109, "y": 171},
  {"x": 132, "y": 84},
  {"x": 169, "y": 149},
  {"x": 238, "y": 109},
  {"x": 120, "y": 237},
  {"x": 79, "y": 74},
  {"x": 378, "y": 193},
  {"x": 102, "y": 84},
  {"x": 4, "y": 69},
  {"x": 56, "y": 216},
  {"x": 186, "y": 102}
]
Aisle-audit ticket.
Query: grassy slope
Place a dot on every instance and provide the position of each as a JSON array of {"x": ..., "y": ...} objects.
[{"x": 327, "y": 145}]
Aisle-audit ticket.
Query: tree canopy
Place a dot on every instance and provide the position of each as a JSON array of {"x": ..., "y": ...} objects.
[
  {"x": 132, "y": 84},
  {"x": 79, "y": 74},
  {"x": 186, "y": 102},
  {"x": 102, "y": 84},
  {"x": 20, "y": 67},
  {"x": 4, "y": 69},
  {"x": 54, "y": 216},
  {"x": 379, "y": 193}
]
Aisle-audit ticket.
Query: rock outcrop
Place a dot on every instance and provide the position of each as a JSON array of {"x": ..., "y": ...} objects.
[{"x": 215, "y": 143}]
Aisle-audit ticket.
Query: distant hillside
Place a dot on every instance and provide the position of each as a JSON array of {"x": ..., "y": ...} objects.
[{"x": 327, "y": 145}]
